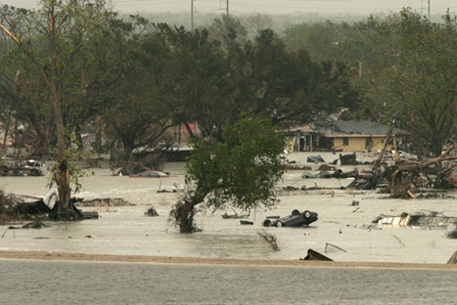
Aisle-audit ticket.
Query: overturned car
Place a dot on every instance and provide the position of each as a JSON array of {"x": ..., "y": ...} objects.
[{"x": 295, "y": 219}]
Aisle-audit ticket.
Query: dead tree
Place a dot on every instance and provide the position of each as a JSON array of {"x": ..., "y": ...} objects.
[{"x": 269, "y": 238}]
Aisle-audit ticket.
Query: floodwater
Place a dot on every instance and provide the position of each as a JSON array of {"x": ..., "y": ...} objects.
[{"x": 127, "y": 231}]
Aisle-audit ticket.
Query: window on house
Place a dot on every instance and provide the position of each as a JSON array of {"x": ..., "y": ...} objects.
[{"x": 345, "y": 141}]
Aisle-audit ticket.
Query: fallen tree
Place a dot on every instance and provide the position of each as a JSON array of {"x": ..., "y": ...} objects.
[{"x": 404, "y": 176}]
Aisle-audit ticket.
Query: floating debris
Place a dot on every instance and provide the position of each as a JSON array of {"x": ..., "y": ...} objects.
[{"x": 315, "y": 256}]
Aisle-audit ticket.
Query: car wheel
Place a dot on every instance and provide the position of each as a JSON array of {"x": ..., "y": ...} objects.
[
  {"x": 266, "y": 223},
  {"x": 279, "y": 224},
  {"x": 295, "y": 213},
  {"x": 307, "y": 214}
]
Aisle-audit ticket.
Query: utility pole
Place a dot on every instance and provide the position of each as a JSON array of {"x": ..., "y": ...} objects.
[
  {"x": 428, "y": 7},
  {"x": 227, "y": 8},
  {"x": 191, "y": 15}
]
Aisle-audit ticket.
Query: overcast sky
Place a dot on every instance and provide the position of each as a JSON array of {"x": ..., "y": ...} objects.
[{"x": 270, "y": 6}]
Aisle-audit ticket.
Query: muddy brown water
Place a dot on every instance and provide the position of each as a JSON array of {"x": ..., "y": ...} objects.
[{"x": 127, "y": 231}]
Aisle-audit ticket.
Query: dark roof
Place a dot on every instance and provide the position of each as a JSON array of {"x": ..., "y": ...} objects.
[{"x": 354, "y": 127}]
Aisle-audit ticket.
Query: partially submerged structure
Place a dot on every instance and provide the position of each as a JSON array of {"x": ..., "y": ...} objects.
[{"x": 344, "y": 136}]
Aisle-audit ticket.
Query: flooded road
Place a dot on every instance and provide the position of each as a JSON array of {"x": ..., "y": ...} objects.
[
  {"x": 127, "y": 231},
  {"x": 55, "y": 283}
]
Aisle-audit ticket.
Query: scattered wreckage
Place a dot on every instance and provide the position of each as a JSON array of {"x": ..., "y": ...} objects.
[
  {"x": 402, "y": 179},
  {"x": 295, "y": 219},
  {"x": 430, "y": 220},
  {"x": 241, "y": 217},
  {"x": 362, "y": 180},
  {"x": 315, "y": 159},
  {"x": 16, "y": 208},
  {"x": 30, "y": 168},
  {"x": 315, "y": 256},
  {"x": 350, "y": 159},
  {"x": 151, "y": 174},
  {"x": 406, "y": 176},
  {"x": 235, "y": 215},
  {"x": 327, "y": 174}
]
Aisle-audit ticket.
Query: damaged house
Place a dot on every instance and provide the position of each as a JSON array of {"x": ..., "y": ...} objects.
[{"x": 344, "y": 136}]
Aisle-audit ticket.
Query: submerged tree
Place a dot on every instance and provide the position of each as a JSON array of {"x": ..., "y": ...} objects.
[{"x": 241, "y": 171}]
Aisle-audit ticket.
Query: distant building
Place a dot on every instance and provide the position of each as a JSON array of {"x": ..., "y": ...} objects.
[{"x": 344, "y": 136}]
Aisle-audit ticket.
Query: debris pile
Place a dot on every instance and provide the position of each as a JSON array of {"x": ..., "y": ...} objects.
[
  {"x": 11, "y": 207},
  {"x": 105, "y": 202},
  {"x": 406, "y": 176}
]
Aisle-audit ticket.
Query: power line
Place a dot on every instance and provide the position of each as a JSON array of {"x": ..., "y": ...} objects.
[{"x": 277, "y": 6}]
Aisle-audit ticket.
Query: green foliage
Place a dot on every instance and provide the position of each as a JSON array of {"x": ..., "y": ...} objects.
[
  {"x": 290, "y": 86},
  {"x": 82, "y": 58},
  {"x": 242, "y": 170},
  {"x": 403, "y": 64},
  {"x": 189, "y": 72},
  {"x": 417, "y": 88}
]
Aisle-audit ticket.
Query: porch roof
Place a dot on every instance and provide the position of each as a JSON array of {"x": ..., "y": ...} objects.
[{"x": 346, "y": 128}]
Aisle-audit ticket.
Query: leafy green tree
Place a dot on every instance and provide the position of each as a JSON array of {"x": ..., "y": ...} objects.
[
  {"x": 138, "y": 122},
  {"x": 403, "y": 65},
  {"x": 102, "y": 68},
  {"x": 350, "y": 43},
  {"x": 191, "y": 74},
  {"x": 58, "y": 33},
  {"x": 417, "y": 90},
  {"x": 241, "y": 171},
  {"x": 291, "y": 86},
  {"x": 12, "y": 71},
  {"x": 122, "y": 89},
  {"x": 319, "y": 38}
]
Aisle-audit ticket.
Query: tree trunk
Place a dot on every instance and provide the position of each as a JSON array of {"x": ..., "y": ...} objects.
[
  {"x": 186, "y": 213},
  {"x": 62, "y": 170},
  {"x": 63, "y": 184}
]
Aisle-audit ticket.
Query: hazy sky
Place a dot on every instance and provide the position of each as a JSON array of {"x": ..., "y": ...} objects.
[{"x": 271, "y": 6}]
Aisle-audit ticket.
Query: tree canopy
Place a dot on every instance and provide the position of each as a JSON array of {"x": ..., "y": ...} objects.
[
  {"x": 403, "y": 66},
  {"x": 240, "y": 171}
]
